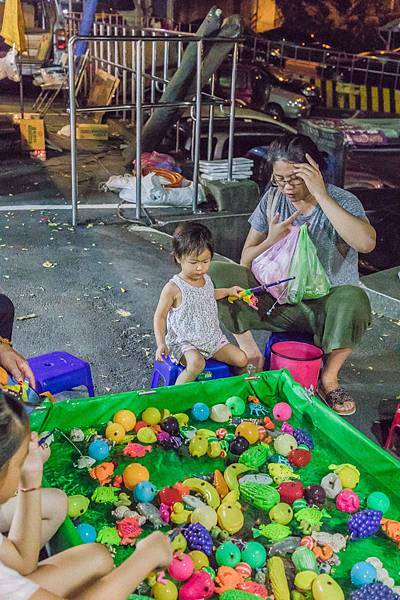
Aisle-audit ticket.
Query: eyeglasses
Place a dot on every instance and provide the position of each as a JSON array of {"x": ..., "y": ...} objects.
[{"x": 278, "y": 181}]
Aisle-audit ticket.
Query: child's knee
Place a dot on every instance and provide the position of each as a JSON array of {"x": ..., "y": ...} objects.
[
  {"x": 100, "y": 559},
  {"x": 196, "y": 364},
  {"x": 55, "y": 504},
  {"x": 242, "y": 359}
]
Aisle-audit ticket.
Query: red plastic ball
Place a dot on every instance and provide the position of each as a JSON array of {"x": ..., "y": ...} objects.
[
  {"x": 299, "y": 457},
  {"x": 291, "y": 491}
]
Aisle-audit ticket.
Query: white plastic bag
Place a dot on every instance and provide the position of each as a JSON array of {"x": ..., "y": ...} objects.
[{"x": 8, "y": 66}]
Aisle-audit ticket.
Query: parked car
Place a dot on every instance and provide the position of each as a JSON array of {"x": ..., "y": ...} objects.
[
  {"x": 283, "y": 80},
  {"x": 257, "y": 88}
]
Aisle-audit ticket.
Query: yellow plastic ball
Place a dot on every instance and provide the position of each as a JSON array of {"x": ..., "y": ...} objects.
[
  {"x": 199, "y": 559},
  {"x": 134, "y": 474},
  {"x": 151, "y": 416},
  {"x": 146, "y": 435},
  {"x": 115, "y": 432},
  {"x": 248, "y": 430},
  {"x": 126, "y": 418},
  {"x": 165, "y": 591}
]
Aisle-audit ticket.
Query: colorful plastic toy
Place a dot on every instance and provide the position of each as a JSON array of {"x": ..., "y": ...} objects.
[
  {"x": 315, "y": 495},
  {"x": 228, "y": 555},
  {"x": 199, "y": 586},
  {"x": 303, "y": 437},
  {"x": 362, "y": 573},
  {"x": 87, "y": 533},
  {"x": 238, "y": 445},
  {"x": 374, "y": 591},
  {"x": 103, "y": 472},
  {"x": 304, "y": 559},
  {"x": 220, "y": 413},
  {"x": 259, "y": 495},
  {"x": 105, "y": 495},
  {"x": 278, "y": 579},
  {"x": 290, "y": 491},
  {"x": 99, "y": 450},
  {"x": 378, "y": 501},
  {"x": 254, "y": 554},
  {"x": 205, "y": 489},
  {"x": 198, "y": 446},
  {"x": 332, "y": 485},
  {"x": 364, "y": 523},
  {"x": 326, "y": 588},
  {"x": 128, "y": 530},
  {"x": 170, "y": 425},
  {"x": 347, "y": 501},
  {"x": 136, "y": 450},
  {"x": 146, "y": 435},
  {"x": 205, "y": 515},
  {"x": 151, "y": 513},
  {"x": 310, "y": 519},
  {"x": 108, "y": 536},
  {"x": 274, "y": 532},
  {"x": 349, "y": 474},
  {"x": 200, "y": 411},
  {"x": 281, "y": 473},
  {"x": 126, "y": 418},
  {"x": 179, "y": 514},
  {"x": 77, "y": 505},
  {"x": 299, "y": 457},
  {"x": 181, "y": 567},
  {"x": 227, "y": 579},
  {"x": 165, "y": 590},
  {"x": 151, "y": 416},
  {"x": 134, "y": 474},
  {"x": 144, "y": 491},
  {"x": 392, "y": 529},
  {"x": 256, "y": 456},
  {"x": 248, "y": 430},
  {"x": 230, "y": 516},
  {"x": 281, "y": 513},
  {"x": 198, "y": 538},
  {"x": 232, "y": 473},
  {"x": 236, "y": 405},
  {"x": 282, "y": 411},
  {"x": 200, "y": 560},
  {"x": 115, "y": 432}
]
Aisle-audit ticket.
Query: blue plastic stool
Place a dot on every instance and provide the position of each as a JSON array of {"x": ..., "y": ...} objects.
[
  {"x": 284, "y": 336},
  {"x": 167, "y": 371},
  {"x": 59, "y": 371}
]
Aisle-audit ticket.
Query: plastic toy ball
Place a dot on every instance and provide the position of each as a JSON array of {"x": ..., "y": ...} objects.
[
  {"x": 362, "y": 573},
  {"x": 200, "y": 560},
  {"x": 126, "y": 418},
  {"x": 87, "y": 533},
  {"x": 146, "y": 435},
  {"x": 282, "y": 411},
  {"x": 254, "y": 554},
  {"x": 236, "y": 405},
  {"x": 378, "y": 501},
  {"x": 200, "y": 411},
  {"x": 134, "y": 474},
  {"x": 281, "y": 513},
  {"x": 347, "y": 501},
  {"x": 144, "y": 492},
  {"x": 248, "y": 430},
  {"x": 115, "y": 432},
  {"x": 228, "y": 555},
  {"x": 98, "y": 450},
  {"x": 151, "y": 416},
  {"x": 181, "y": 567},
  {"x": 165, "y": 591}
]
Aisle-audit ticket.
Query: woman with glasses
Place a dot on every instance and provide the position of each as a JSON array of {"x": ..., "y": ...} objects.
[{"x": 339, "y": 229}]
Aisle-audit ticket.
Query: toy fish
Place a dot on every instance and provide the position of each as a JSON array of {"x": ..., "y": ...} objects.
[
  {"x": 136, "y": 450},
  {"x": 274, "y": 532},
  {"x": 260, "y": 478},
  {"x": 286, "y": 546},
  {"x": 151, "y": 513},
  {"x": 392, "y": 529}
]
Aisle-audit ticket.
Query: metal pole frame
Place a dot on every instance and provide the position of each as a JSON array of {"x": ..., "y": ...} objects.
[
  {"x": 139, "y": 116},
  {"x": 197, "y": 127},
  {"x": 72, "y": 121},
  {"x": 232, "y": 112}
]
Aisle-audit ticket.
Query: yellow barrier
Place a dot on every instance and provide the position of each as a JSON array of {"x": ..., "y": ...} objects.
[{"x": 336, "y": 94}]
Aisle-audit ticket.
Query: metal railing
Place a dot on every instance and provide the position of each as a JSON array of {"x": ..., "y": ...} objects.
[{"x": 104, "y": 50}]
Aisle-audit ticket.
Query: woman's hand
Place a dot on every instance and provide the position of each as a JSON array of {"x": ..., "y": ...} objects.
[
  {"x": 311, "y": 175},
  {"x": 16, "y": 365},
  {"x": 162, "y": 352},
  {"x": 277, "y": 231},
  {"x": 32, "y": 468}
]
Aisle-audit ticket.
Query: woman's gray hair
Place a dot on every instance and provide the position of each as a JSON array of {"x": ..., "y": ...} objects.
[{"x": 293, "y": 148}]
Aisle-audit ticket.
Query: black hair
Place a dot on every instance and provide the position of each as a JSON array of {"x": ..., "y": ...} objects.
[
  {"x": 14, "y": 425},
  {"x": 191, "y": 238},
  {"x": 293, "y": 147}
]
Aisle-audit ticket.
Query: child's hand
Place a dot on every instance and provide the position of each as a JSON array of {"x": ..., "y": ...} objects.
[
  {"x": 32, "y": 469},
  {"x": 158, "y": 545},
  {"x": 162, "y": 352},
  {"x": 235, "y": 291}
]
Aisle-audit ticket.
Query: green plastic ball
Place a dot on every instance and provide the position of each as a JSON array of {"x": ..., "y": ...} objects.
[
  {"x": 228, "y": 555},
  {"x": 236, "y": 405},
  {"x": 378, "y": 501},
  {"x": 254, "y": 554}
]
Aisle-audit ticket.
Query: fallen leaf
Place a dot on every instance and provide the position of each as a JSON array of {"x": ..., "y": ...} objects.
[
  {"x": 123, "y": 290},
  {"x": 48, "y": 264},
  {"x": 123, "y": 313},
  {"x": 26, "y": 317}
]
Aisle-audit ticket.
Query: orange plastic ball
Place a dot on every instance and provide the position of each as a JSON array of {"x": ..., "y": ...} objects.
[
  {"x": 126, "y": 418},
  {"x": 134, "y": 474},
  {"x": 248, "y": 430},
  {"x": 115, "y": 432}
]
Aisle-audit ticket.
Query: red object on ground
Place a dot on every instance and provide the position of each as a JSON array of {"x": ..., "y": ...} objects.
[{"x": 395, "y": 423}]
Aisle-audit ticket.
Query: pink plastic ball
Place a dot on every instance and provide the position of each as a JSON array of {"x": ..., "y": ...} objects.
[
  {"x": 282, "y": 411},
  {"x": 181, "y": 567},
  {"x": 347, "y": 501}
]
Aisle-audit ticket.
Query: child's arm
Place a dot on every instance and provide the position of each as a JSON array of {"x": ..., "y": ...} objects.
[
  {"x": 153, "y": 552},
  {"x": 221, "y": 293},
  {"x": 165, "y": 303},
  {"x": 20, "y": 550}
]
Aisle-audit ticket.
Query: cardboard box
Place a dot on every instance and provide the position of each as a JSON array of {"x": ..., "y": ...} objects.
[
  {"x": 16, "y": 117},
  {"x": 32, "y": 134},
  {"x": 92, "y": 131}
]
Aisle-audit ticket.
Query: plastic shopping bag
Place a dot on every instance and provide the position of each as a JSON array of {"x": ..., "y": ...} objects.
[
  {"x": 311, "y": 280},
  {"x": 274, "y": 264}
]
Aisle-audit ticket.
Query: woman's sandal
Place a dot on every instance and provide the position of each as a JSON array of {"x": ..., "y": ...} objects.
[{"x": 339, "y": 401}]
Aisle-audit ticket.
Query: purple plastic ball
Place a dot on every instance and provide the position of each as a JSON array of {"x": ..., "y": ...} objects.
[
  {"x": 198, "y": 538},
  {"x": 374, "y": 591},
  {"x": 315, "y": 495},
  {"x": 364, "y": 523},
  {"x": 170, "y": 425},
  {"x": 303, "y": 437}
]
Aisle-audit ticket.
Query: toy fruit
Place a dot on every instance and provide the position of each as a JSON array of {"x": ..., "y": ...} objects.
[
  {"x": 220, "y": 484},
  {"x": 230, "y": 516},
  {"x": 304, "y": 580},
  {"x": 277, "y": 577},
  {"x": 198, "y": 538},
  {"x": 364, "y": 523},
  {"x": 144, "y": 492},
  {"x": 281, "y": 513},
  {"x": 259, "y": 495},
  {"x": 378, "y": 501},
  {"x": 349, "y": 474},
  {"x": 347, "y": 501},
  {"x": 238, "y": 445},
  {"x": 282, "y": 411},
  {"x": 179, "y": 543},
  {"x": 115, "y": 432},
  {"x": 274, "y": 532},
  {"x": 199, "y": 586},
  {"x": 151, "y": 416},
  {"x": 303, "y": 437},
  {"x": 392, "y": 529},
  {"x": 299, "y": 457},
  {"x": 374, "y": 591},
  {"x": 290, "y": 491},
  {"x": 205, "y": 515},
  {"x": 134, "y": 474},
  {"x": 248, "y": 430},
  {"x": 205, "y": 489},
  {"x": 77, "y": 506},
  {"x": 181, "y": 567},
  {"x": 99, "y": 450},
  {"x": 254, "y": 554},
  {"x": 87, "y": 533},
  {"x": 304, "y": 559},
  {"x": 200, "y": 411},
  {"x": 315, "y": 495},
  {"x": 332, "y": 485},
  {"x": 284, "y": 444},
  {"x": 146, "y": 435},
  {"x": 236, "y": 405},
  {"x": 232, "y": 473},
  {"x": 198, "y": 446},
  {"x": 220, "y": 413},
  {"x": 256, "y": 456},
  {"x": 165, "y": 590},
  {"x": 126, "y": 418},
  {"x": 362, "y": 573},
  {"x": 244, "y": 569},
  {"x": 170, "y": 425},
  {"x": 228, "y": 555},
  {"x": 326, "y": 588},
  {"x": 200, "y": 560}
]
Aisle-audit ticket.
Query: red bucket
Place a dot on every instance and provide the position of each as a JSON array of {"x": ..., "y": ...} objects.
[{"x": 303, "y": 361}]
